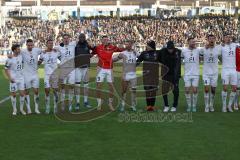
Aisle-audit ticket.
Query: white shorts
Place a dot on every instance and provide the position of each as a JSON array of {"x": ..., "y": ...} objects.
[
  {"x": 210, "y": 80},
  {"x": 50, "y": 81},
  {"x": 229, "y": 76},
  {"x": 191, "y": 81},
  {"x": 104, "y": 73},
  {"x": 238, "y": 75},
  {"x": 70, "y": 79},
  {"x": 17, "y": 86},
  {"x": 31, "y": 81},
  {"x": 81, "y": 75},
  {"x": 131, "y": 78}
]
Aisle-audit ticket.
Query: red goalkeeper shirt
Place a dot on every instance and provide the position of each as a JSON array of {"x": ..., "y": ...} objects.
[
  {"x": 104, "y": 54},
  {"x": 238, "y": 59}
]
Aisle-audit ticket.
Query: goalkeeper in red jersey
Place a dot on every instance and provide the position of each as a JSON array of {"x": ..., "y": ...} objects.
[{"x": 104, "y": 70}]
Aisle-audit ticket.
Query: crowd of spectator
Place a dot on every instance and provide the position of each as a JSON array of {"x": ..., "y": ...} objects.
[{"x": 139, "y": 29}]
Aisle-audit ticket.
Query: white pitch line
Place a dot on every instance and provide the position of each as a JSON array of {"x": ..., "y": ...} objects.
[{"x": 4, "y": 100}]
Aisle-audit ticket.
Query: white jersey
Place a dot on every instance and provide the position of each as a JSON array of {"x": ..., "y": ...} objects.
[
  {"x": 229, "y": 56},
  {"x": 129, "y": 62},
  {"x": 210, "y": 60},
  {"x": 30, "y": 60},
  {"x": 191, "y": 61},
  {"x": 15, "y": 66},
  {"x": 50, "y": 60},
  {"x": 67, "y": 53}
]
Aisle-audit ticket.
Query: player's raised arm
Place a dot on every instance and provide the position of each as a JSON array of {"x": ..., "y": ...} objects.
[
  {"x": 140, "y": 58},
  {"x": 39, "y": 51},
  {"x": 201, "y": 53},
  {"x": 90, "y": 46},
  {"x": 59, "y": 55},
  {"x": 73, "y": 43},
  {"x": 40, "y": 59},
  {"x": 117, "y": 58},
  {"x": 119, "y": 48},
  {"x": 94, "y": 51},
  {"x": 220, "y": 52},
  {"x": 56, "y": 48}
]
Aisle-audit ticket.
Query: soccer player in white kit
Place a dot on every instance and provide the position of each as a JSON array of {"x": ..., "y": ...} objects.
[
  {"x": 67, "y": 53},
  {"x": 14, "y": 72},
  {"x": 191, "y": 74},
  {"x": 229, "y": 73},
  {"x": 30, "y": 59},
  {"x": 50, "y": 59},
  {"x": 129, "y": 76},
  {"x": 210, "y": 72}
]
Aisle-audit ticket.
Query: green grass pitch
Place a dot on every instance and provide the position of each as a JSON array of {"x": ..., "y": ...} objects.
[{"x": 210, "y": 136}]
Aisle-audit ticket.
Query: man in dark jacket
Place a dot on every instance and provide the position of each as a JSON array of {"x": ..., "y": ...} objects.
[
  {"x": 171, "y": 58},
  {"x": 150, "y": 59},
  {"x": 82, "y": 63}
]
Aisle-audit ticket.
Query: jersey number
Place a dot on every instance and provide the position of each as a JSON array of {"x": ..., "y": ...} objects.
[
  {"x": 191, "y": 59},
  {"x": 50, "y": 60},
  {"x": 19, "y": 67},
  {"x": 130, "y": 60},
  {"x": 32, "y": 61},
  {"x": 231, "y": 53},
  {"x": 67, "y": 53},
  {"x": 210, "y": 60},
  {"x": 13, "y": 88}
]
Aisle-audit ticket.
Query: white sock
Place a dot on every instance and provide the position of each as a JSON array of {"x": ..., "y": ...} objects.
[
  {"x": 78, "y": 98},
  {"x": 206, "y": 99},
  {"x": 110, "y": 100},
  {"x": 224, "y": 99},
  {"x": 85, "y": 92},
  {"x": 123, "y": 99},
  {"x": 195, "y": 96},
  {"x": 22, "y": 98},
  {"x": 47, "y": 101},
  {"x": 55, "y": 98},
  {"x": 14, "y": 103},
  {"x": 77, "y": 93},
  {"x": 133, "y": 98},
  {"x": 99, "y": 101},
  {"x": 70, "y": 96},
  {"x": 189, "y": 100},
  {"x": 62, "y": 95},
  {"x": 231, "y": 98},
  {"x": 85, "y": 98},
  {"x": 236, "y": 98},
  {"x": 27, "y": 98},
  {"x": 211, "y": 100},
  {"x": 36, "y": 100}
]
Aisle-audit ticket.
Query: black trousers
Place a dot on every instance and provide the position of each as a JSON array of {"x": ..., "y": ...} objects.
[
  {"x": 151, "y": 92},
  {"x": 175, "y": 83}
]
